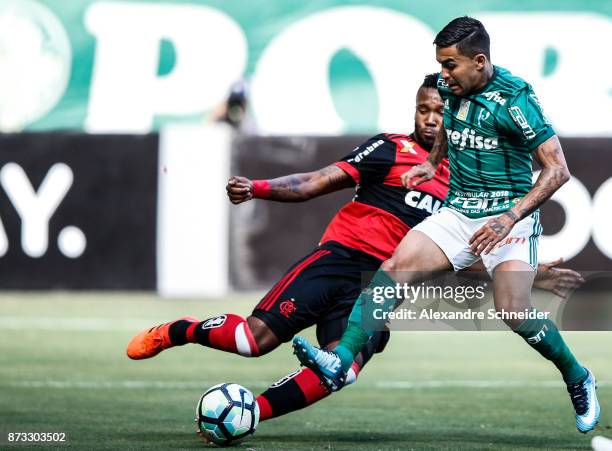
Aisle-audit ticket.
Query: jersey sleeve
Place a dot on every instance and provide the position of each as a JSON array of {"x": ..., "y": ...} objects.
[
  {"x": 523, "y": 119},
  {"x": 371, "y": 161}
]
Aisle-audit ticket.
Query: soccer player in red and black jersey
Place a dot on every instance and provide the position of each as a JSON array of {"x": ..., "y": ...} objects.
[{"x": 321, "y": 288}]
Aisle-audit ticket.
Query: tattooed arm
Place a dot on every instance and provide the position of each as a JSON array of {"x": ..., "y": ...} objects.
[
  {"x": 290, "y": 188},
  {"x": 553, "y": 175},
  {"x": 426, "y": 170},
  {"x": 439, "y": 149}
]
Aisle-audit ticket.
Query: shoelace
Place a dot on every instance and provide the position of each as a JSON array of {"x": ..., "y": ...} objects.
[
  {"x": 578, "y": 395},
  {"x": 327, "y": 359}
]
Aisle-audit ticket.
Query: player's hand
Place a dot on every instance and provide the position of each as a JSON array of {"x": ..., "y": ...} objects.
[
  {"x": 418, "y": 174},
  {"x": 559, "y": 281},
  {"x": 239, "y": 189},
  {"x": 495, "y": 230}
]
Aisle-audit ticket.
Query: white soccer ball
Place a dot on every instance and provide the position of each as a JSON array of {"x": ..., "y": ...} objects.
[
  {"x": 600, "y": 443},
  {"x": 227, "y": 413}
]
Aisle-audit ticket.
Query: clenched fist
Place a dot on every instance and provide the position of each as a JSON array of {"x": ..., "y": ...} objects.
[{"x": 239, "y": 189}]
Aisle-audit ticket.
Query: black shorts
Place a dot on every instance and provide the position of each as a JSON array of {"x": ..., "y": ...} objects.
[{"x": 319, "y": 289}]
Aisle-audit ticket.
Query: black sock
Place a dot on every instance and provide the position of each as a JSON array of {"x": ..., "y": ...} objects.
[
  {"x": 293, "y": 392},
  {"x": 178, "y": 332}
]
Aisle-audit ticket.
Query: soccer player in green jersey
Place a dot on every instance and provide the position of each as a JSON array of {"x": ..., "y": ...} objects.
[{"x": 493, "y": 126}]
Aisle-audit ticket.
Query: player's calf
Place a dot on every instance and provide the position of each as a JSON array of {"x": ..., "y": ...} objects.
[
  {"x": 295, "y": 391},
  {"x": 228, "y": 332}
]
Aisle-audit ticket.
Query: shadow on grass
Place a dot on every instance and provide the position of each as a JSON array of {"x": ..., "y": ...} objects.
[
  {"x": 419, "y": 439},
  {"x": 415, "y": 439}
]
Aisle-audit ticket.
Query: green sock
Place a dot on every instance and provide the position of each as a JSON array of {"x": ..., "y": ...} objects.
[
  {"x": 543, "y": 336},
  {"x": 352, "y": 338},
  {"x": 362, "y": 324}
]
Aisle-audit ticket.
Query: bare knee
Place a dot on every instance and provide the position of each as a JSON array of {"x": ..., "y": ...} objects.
[
  {"x": 401, "y": 269},
  {"x": 399, "y": 262},
  {"x": 263, "y": 336},
  {"x": 389, "y": 265}
]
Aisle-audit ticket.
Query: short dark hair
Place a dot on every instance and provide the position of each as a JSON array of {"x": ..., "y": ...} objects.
[
  {"x": 468, "y": 34},
  {"x": 431, "y": 81}
]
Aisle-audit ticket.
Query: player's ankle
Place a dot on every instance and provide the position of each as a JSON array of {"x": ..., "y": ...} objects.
[
  {"x": 180, "y": 332},
  {"x": 577, "y": 374},
  {"x": 346, "y": 356}
]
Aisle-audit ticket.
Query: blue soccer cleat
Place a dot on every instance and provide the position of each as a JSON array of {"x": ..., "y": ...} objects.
[
  {"x": 585, "y": 403},
  {"x": 325, "y": 364}
]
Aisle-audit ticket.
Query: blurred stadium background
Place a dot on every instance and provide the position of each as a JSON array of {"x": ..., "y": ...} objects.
[{"x": 120, "y": 123}]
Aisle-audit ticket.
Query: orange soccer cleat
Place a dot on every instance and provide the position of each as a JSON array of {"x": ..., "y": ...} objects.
[{"x": 151, "y": 342}]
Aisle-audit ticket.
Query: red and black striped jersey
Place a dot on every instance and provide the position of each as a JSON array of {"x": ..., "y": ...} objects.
[{"x": 383, "y": 211}]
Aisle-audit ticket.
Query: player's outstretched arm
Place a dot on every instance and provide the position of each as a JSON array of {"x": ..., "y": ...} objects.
[
  {"x": 425, "y": 171},
  {"x": 553, "y": 175},
  {"x": 290, "y": 188},
  {"x": 560, "y": 281}
]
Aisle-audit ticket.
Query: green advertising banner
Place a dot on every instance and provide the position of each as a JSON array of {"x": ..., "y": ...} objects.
[{"x": 313, "y": 67}]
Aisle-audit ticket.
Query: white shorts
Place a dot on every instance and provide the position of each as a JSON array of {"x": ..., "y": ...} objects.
[{"x": 452, "y": 231}]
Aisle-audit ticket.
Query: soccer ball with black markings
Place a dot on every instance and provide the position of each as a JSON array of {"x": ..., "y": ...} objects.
[{"x": 227, "y": 413}]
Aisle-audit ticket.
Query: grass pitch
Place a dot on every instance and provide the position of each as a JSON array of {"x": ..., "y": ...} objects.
[{"x": 63, "y": 369}]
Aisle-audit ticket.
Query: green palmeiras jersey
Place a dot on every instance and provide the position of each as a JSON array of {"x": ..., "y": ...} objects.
[{"x": 491, "y": 134}]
